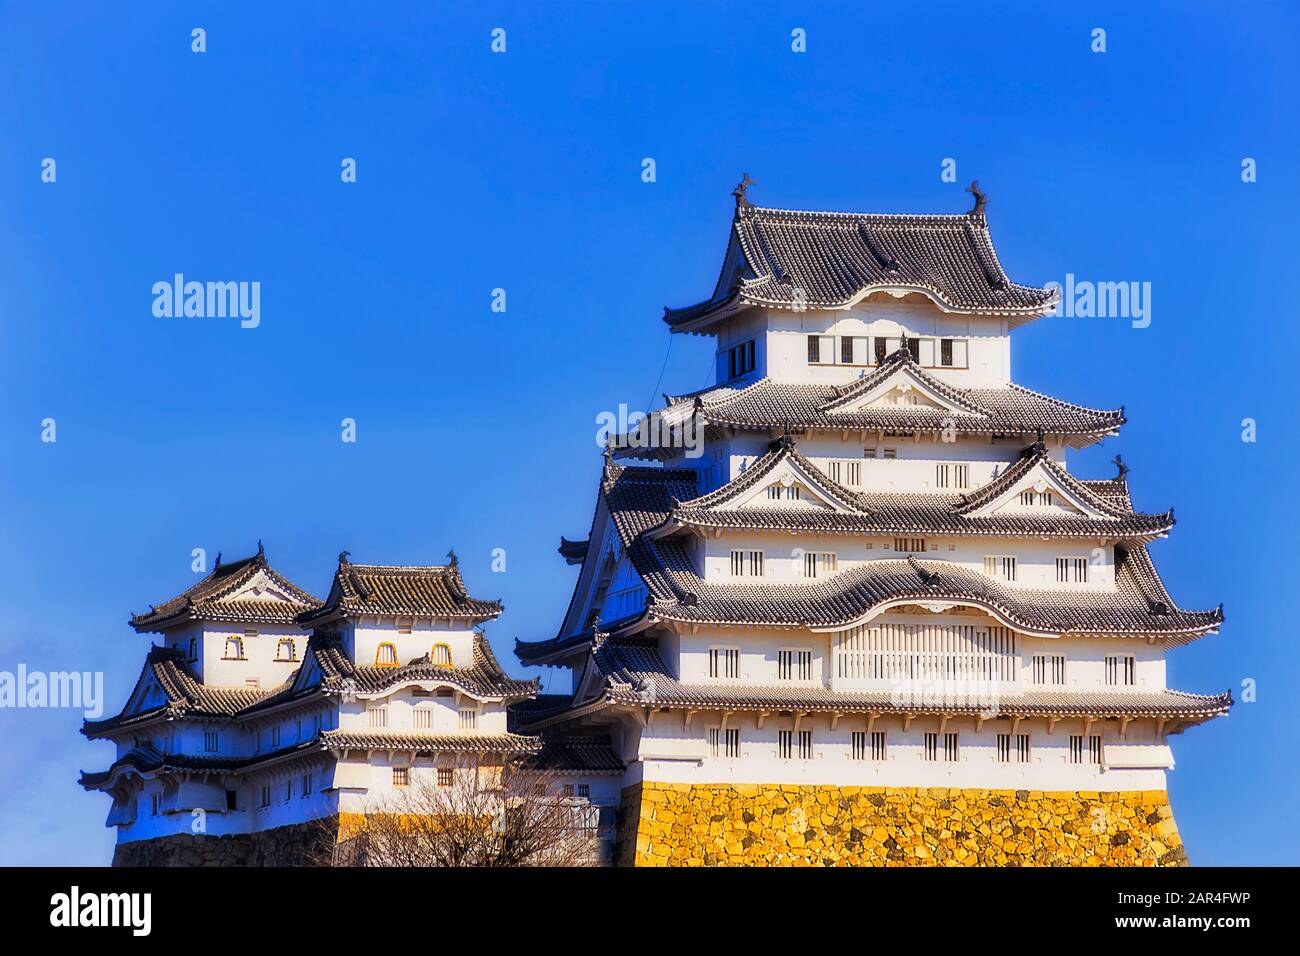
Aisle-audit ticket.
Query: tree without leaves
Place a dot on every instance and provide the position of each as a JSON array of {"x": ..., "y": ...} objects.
[{"x": 491, "y": 815}]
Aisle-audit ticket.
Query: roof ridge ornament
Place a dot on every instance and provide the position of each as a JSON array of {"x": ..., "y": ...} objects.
[
  {"x": 1122, "y": 469},
  {"x": 742, "y": 201},
  {"x": 261, "y": 551},
  {"x": 981, "y": 200},
  {"x": 217, "y": 563},
  {"x": 344, "y": 555}
]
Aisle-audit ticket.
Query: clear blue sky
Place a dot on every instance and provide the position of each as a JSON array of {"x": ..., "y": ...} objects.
[{"x": 522, "y": 171}]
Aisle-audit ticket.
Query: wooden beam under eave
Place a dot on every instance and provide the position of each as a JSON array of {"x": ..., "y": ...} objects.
[
  {"x": 1051, "y": 724},
  {"x": 688, "y": 715},
  {"x": 1123, "y": 726},
  {"x": 762, "y": 718},
  {"x": 871, "y": 721},
  {"x": 835, "y": 718},
  {"x": 907, "y": 721}
]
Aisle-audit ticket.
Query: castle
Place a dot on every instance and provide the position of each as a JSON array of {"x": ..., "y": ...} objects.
[{"x": 849, "y": 605}]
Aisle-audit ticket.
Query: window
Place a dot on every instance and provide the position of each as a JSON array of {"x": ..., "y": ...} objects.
[
  {"x": 785, "y": 744},
  {"x": 1004, "y": 748},
  {"x": 909, "y": 544},
  {"x": 401, "y": 776},
  {"x": 777, "y": 492},
  {"x": 441, "y": 655},
  {"x": 952, "y": 353},
  {"x": 288, "y": 790},
  {"x": 211, "y": 740},
  {"x": 155, "y": 803},
  {"x": 930, "y": 747},
  {"x": 724, "y": 742},
  {"x": 284, "y": 650},
  {"x": 444, "y": 776},
  {"x": 1120, "y": 670},
  {"x": 1048, "y": 669},
  {"x": 1001, "y": 566},
  {"x": 855, "y": 350},
  {"x": 740, "y": 359},
  {"x": 306, "y": 785},
  {"x": 404, "y": 627},
  {"x": 234, "y": 648},
  {"x": 378, "y": 716},
  {"x": 1071, "y": 570},
  {"x": 194, "y": 649},
  {"x": 232, "y": 799},
  {"x": 747, "y": 563},
  {"x": 469, "y": 719},
  {"x": 1094, "y": 749},
  {"x": 1022, "y": 748},
  {"x": 951, "y": 476},
  {"x": 275, "y": 736},
  {"x": 794, "y": 664},
  {"x": 950, "y": 747},
  {"x": 1033, "y": 498},
  {"x": 386, "y": 655},
  {"x": 882, "y": 349},
  {"x": 945, "y": 352},
  {"x": 860, "y": 741},
  {"x": 567, "y": 790},
  {"x": 805, "y": 745},
  {"x": 265, "y": 796},
  {"x": 423, "y": 718},
  {"x": 821, "y": 350},
  {"x": 819, "y": 563},
  {"x": 848, "y": 472},
  {"x": 890, "y": 453},
  {"x": 724, "y": 662}
]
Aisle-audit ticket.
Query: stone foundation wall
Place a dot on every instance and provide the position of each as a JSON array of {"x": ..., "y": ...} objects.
[
  {"x": 299, "y": 844},
  {"x": 663, "y": 824}
]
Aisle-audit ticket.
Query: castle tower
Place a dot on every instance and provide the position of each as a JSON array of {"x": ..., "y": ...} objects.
[{"x": 853, "y": 606}]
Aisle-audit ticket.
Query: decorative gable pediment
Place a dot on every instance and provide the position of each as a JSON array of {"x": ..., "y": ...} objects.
[
  {"x": 791, "y": 483},
  {"x": 260, "y": 587},
  {"x": 1038, "y": 491},
  {"x": 904, "y": 385}
]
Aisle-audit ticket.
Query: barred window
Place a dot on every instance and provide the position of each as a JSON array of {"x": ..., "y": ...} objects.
[
  {"x": 423, "y": 718},
  {"x": 785, "y": 744},
  {"x": 441, "y": 654},
  {"x": 1004, "y": 748},
  {"x": 877, "y": 745},
  {"x": 1121, "y": 670},
  {"x": 724, "y": 742},
  {"x": 444, "y": 776},
  {"x": 858, "y": 745},
  {"x": 724, "y": 662},
  {"x": 794, "y": 664},
  {"x": 930, "y": 747},
  {"x": 401, "y": 776},
  {"x": 1001, "y": 566},
  {"x": 378, "y": 716},
  {"x": 949, "y": 747},
  {"x": 211, "y": 740},
  {"x": 1022, "y": 748},
  {"x": 1036, "y": 498},
  {"x": 1094, "y": 750},
  {"x": 819, "y": 563},
  {"x": 1071, "y": 570},
  {"x": 746, "y": 563},
  {"x": 1048, "y": 669},
  {"x": 386, "y": 655},
  {"x": 909, "y": 544},
  {"x": 1076, "y": 748},
  {"x": 805, "y": 745},
  {"x": 468, "y": 719}
]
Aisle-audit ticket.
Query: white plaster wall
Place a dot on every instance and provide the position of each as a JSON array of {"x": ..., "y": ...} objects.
[
  {"x": 977, "y": 765},
  {"x": 364, "y": 637}
]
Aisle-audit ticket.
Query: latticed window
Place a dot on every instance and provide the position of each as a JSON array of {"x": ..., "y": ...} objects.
[
  {"x": 746, "y": 563},
  {"x": 386, "y": 655},
  {"x": 930, "y": 746},
  {"x": 909, "y": 544},
  {"x": 378, "y": 716},
  {"x": 877, "y": 745},
  {"x": 949, "y": 747},
  {"x": 469, "y": 719},
  {"x": 1034, "y": 498},
  {"x": 401, "y": 776},
  {"x": 947, "y": 475},
  {"x": 423, "y": 718},
  {"x": 441, "y": 655},
  {"x": 444, "y": 776},
  {"x": 1004, "y": 748}
]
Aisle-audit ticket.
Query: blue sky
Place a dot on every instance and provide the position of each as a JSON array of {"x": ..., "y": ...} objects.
[{"x": 522, "y": 171}]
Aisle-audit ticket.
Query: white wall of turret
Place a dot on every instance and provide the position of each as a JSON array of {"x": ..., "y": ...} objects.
[
  {"x": 780, "y": 337},
  {"x": 236, "y": 655},
  {"x": 409, "y": 640}
]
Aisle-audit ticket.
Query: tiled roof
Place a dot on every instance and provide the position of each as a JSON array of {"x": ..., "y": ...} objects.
[
  {"x": 483, "y": 678},
  {"x": 761, "y": 404},
  {"x": 639, "y": 501},
  {"x": 887, "y": 513},
  {"x": 400, "y": 591},
  {"x": 150, "y": 760},
  {"x": 428, "y": 742},
  {"x": 637, "y": 674},
  {"x": 524, "y": 712},
  {"x": 783, "y": 258},
  {"x": 210, "y": 599},
  {"x": 186, "y": 695},
  {"x": 543, "y": 652},
  {"x": 578, "y": 755}
]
